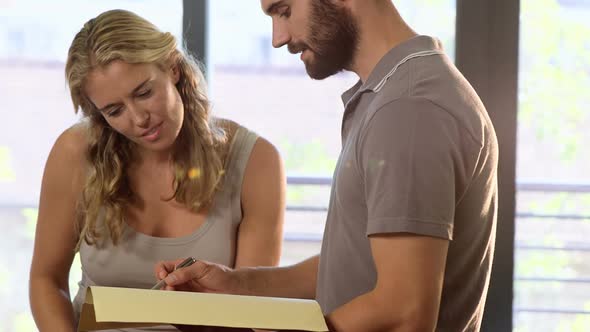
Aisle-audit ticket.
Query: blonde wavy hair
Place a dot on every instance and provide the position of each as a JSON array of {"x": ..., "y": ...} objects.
[{"x": 199, "y": 147}]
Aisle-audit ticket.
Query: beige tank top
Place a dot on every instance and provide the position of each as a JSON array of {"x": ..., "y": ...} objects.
[{"x": 130, "y": 264}]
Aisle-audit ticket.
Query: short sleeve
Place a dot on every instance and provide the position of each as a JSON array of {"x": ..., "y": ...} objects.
[{"x": 413, "y": 160}]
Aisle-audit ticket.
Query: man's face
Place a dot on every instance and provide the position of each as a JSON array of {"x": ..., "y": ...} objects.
[{"x": 326, "y": 34}]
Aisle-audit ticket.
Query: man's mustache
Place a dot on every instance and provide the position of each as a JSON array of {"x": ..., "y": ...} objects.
[{"x": 296, "y": 48}]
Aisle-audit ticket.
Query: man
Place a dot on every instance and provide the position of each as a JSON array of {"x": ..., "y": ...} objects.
[{"x": 409, "y": 237}]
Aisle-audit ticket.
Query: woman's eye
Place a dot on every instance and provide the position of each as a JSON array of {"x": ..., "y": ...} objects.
[
  {"x": 145, "y": 93},
  {"x": 114, "y": 112}
]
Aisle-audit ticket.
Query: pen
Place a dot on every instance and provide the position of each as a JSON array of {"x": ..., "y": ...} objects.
[{"x": 187, "y": 262}]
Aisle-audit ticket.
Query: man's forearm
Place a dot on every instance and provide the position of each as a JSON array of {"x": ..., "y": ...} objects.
[
  {"x": 295, "y": 281},
  {"x": 371, "y": 312}
]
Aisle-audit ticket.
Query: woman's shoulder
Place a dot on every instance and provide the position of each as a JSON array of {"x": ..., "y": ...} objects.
[
  {"x": 229, "y": 127},
  {"x": 71, "y": 145},
  {"x": 74, "y": 139},
  {"x": 260, "y": 146},
  {"x": 67, "y": 161}
]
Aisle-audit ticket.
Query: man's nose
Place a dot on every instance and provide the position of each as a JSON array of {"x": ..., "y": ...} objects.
[{"x": 280, "y": 34}]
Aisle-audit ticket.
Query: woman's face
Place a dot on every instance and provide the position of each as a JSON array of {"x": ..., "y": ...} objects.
[{"x": 140, "y": 101}]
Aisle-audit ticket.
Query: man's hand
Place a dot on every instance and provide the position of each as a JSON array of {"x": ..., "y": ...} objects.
[{"x": 202, "y": 276}]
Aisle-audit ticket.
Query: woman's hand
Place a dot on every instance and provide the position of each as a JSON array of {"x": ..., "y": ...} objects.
[{"x": 201, "y": 276}]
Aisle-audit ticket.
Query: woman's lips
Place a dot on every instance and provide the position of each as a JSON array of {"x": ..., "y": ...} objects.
[{"x": 152, "y": 134}]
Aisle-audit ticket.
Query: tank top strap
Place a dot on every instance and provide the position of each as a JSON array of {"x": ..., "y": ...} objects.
[{"x": 240, "y": 149}]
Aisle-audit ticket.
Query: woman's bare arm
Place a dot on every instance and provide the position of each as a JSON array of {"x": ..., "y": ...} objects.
[{"x": 55, "y": 237}]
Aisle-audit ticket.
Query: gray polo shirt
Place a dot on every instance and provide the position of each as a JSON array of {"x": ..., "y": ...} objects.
[{"x": 419, "y": 155}]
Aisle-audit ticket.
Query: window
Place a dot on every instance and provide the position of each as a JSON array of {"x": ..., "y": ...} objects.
[
  {"x": 552, "y": 274},
  {"x": 35, "y": 108}
]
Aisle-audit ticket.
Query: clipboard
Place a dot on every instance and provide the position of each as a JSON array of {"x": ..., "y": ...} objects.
[{"x": 115, "y": 307}]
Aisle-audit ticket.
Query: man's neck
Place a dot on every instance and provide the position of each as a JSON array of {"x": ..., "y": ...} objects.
[{"x": 379, "y": 33}]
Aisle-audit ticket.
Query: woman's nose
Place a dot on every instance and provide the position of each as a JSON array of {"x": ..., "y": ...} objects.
[{"x": 141, "y": 117}]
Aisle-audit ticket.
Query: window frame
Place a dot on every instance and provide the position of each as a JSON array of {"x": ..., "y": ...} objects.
[{"x": 487, "y": 46}]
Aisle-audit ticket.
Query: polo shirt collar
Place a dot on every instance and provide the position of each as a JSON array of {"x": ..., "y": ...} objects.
[{"x": 396, "y": 55}]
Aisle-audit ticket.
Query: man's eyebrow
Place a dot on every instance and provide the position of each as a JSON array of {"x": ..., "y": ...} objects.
[
  {"x": 139, "y": 87},
  {"x": 273, "y": 8}
]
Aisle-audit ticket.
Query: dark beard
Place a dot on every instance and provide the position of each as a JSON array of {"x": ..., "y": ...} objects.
[{"x": 333, "y": 38}]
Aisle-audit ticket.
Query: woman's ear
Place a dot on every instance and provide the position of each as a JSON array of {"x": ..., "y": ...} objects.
[{"x": 175, "y": 72}]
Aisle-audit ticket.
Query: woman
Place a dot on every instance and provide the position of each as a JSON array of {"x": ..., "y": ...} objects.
[{"x": 148, "y": 175}]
